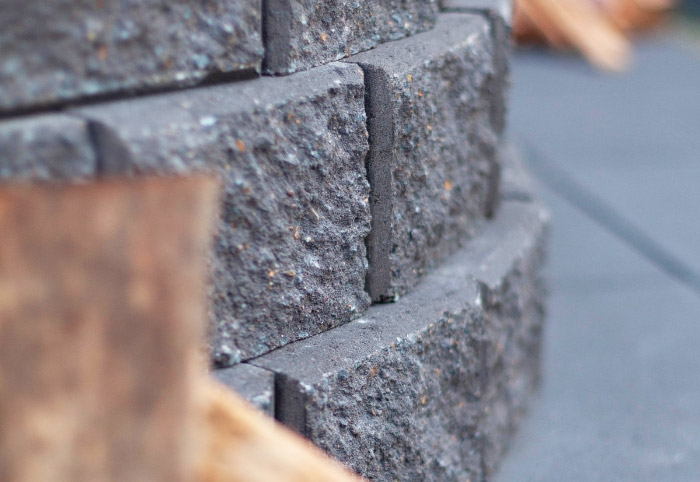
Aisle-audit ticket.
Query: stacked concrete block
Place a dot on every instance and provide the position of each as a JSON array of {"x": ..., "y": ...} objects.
[
  {"x": 380, "y": 178},
  {"x": 429, "y": 387},
  {"x": 432, "y": 163},
  {"x": 500, "y": 15},
  {"x": 512, "y": 294},
  {"x": 56, "y": 52},
  {"x": 289, "y": 257},
  {"x": 300, "y": 34},
  {"x": 46, "y": 147},
  {"x": 252, "y": 383}
]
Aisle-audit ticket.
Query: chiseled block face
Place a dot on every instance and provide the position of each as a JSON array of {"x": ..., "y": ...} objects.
[
  {"x": 51, "y": 147},
  {"x": 393, "y": 395},
  {"x": 305, "y": 33},
  {"x": 430, "y": 387},
  {"x": 432, "y": 163},
  {"x": 289, "y": 258},
  {"x": 54, "y": 52}
]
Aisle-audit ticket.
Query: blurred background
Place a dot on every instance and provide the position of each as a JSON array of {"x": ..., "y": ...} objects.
[{"x": 617, "y": 157}]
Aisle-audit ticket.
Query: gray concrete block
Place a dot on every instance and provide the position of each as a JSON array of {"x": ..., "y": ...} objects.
[
  {"x": 514, "y": 311},
  {"x": 54, "y": 52},
  {"x": 500, "y": 15},
  {"x": 52, "y": 147},
  {"x": 501, "y": 8},
  {"x": 428, "y": 388},
  {"x": 290, "y": 257},
  {"x": 300, "y": 34},
  {"x": 432, "y": 161},
  {"x": 254, "y": 384}
]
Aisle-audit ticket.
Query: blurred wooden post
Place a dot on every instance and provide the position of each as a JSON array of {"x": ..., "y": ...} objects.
[{"x": 101, "y": 322}]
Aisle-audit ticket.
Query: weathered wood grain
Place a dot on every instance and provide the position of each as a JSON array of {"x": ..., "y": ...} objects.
[{"x": 101, "y": 319}]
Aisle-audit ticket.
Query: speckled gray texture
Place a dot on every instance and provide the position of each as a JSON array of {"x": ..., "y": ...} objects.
[
  {"x": 300, "y": 34},
  {"x": 430, "y": 387},
  {"x": 290, "y": 256},
  {"x": 432, "y": 161},
  {"x": 254, "y": 384},
  {"x": 58, "y": 51},
  {"x": 514, "y": 310},
  {"x": 502, "y": 8},
  {"x": 500, "y": 15},
  {"x": 52, "y": 147}
]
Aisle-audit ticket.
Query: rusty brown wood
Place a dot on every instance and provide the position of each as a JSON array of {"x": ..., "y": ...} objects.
[{"x": 101, "y": 313}]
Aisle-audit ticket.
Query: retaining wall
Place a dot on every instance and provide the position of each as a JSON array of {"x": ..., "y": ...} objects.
[{"x": 376, "y": 278}]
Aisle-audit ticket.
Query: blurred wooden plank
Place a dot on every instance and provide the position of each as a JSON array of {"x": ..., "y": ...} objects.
[
  {"x": 576, "y": 23},
  {"x": 101, "y": 309},
  {"x": 243, "y": 445}
]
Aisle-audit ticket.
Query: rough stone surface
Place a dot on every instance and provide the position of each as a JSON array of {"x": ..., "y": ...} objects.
[
  {"x": 53, "y": 52},
  {"x": 432, "y": 161},
  {"x": 500, "y": 15},
  {"x": 512, "y": 293},
  {"x": 304, "y": 33},
  {"x": 290, "y": 257},
  {"x": 429, "y": 387},
  {"x": 502, "y": 8},
  {"x": 252, "y": 383},
  {"x": 48, "y": 147}
]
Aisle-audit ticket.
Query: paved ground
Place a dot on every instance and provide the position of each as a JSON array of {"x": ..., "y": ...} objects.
[{"x": 619, "y": 162}]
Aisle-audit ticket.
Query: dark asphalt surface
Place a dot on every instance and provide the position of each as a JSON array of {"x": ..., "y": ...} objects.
[{"x": 618, "y": 160}]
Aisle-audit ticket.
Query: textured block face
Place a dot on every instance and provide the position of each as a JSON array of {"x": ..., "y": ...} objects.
[
  {"x": 513, "y": 315},
  {"x": 49, "y": 147},
  {"x": 305, "y": 33},
  {"x": 500, "y": 16},
  {"x": 54, "y": 52},
  {"x": 254, "y": 384},
  {"x": 391, "y": 395},
  {"x": 432, "y": 162},
  {"x": 429, "y": 387},
  {"x": 289, "y": 256}
]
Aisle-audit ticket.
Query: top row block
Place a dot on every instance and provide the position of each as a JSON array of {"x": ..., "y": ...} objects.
[
  {"x": 54, "y": 53},
  {"x": 300, "y": 34}
]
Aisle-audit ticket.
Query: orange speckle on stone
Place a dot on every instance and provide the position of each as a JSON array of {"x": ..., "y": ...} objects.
[
  {"x": 424, "y": 400},
  {"x": 373, "y": 372},
  {"x": 271, "y": 273},
  {"x": 102, "y": 52},
  {"x": 240, "y": 145},
  {"x": 448, "y": 185},
  {"x": 409, "y": 77},
  {"x": 420, "y": 93},
  {"x": 324, "y": 37}
]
